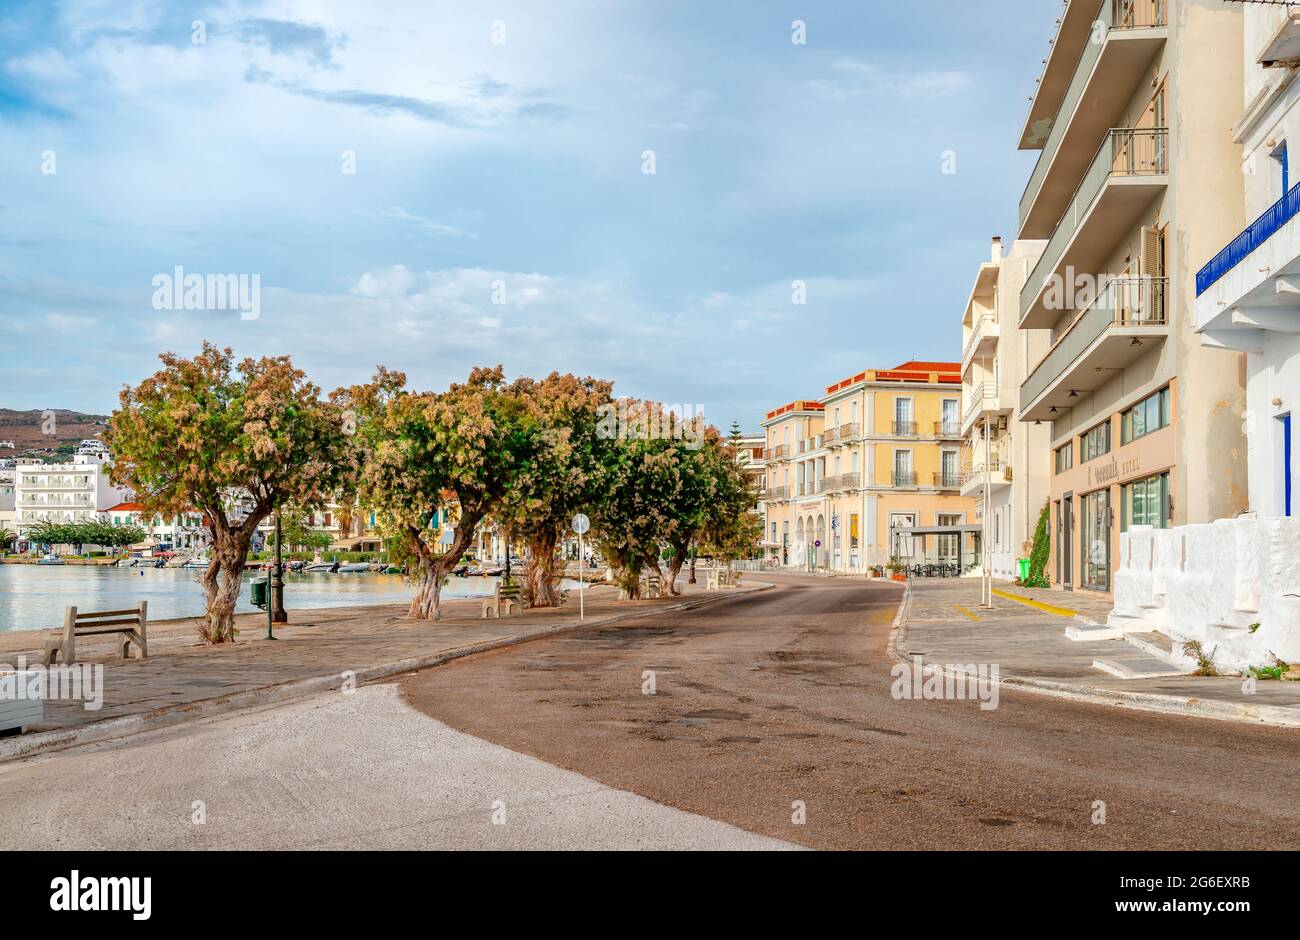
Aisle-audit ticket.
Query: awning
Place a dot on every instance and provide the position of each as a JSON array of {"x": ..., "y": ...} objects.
[{"x": 937, "y": 530}]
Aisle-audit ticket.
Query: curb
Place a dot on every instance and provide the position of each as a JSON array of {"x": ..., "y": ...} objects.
[
  {"x": 1186, "y": 705},
  {"x": 44, "y": 742}
]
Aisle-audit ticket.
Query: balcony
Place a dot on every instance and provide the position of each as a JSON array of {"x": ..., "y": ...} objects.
[
  {"x": 904, "y": 479},
  {"x": 982, "y": 401},
  {"x": 831, "y": 437},
  {"x": 778, "y": 494},
  {"x": 1106, "y": 77},
  {"x": 778, "y": 453},
  {"x": 972, "y": 479},
  {"x": 1128, "y": 172},
  {"x": 947, "y": 481},
  {"x": 983, "y": 340},
  {"x": 840, "y": 483},
  {"x": 950, "y": 429},
  {"x": 850, "y": 432},
  {"x": 1126, "y": 319},
  {"x": 1251, "y": 289},
  {"x": 903, "y": 428}
]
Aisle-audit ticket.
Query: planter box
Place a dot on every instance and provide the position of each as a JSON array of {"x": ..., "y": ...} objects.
[{"x": 18, "y": 712}]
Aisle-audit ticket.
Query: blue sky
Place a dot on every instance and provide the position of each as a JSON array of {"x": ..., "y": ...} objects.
[{"x": 515, "y": 163}]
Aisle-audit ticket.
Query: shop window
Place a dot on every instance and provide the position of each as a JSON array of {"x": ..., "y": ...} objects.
[
  {"x": 1095, "y": 443},
  {"x": 1146, "y": 502}
]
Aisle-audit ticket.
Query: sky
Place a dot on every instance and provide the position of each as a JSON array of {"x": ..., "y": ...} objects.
[{"x": 437, "y": 185}]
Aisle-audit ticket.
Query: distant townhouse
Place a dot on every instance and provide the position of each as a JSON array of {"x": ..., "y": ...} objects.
[
  {"x": 183, "y": 532},
  {"x": 1135, "y": 183}
]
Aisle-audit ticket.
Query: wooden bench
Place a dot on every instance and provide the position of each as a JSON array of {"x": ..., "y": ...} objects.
[
  {"x": 131, "y": 624},
  {"x": 503, "y": 595}
]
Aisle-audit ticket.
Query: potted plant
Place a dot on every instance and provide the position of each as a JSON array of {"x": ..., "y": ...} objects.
[{"x": 897, "y": 570}]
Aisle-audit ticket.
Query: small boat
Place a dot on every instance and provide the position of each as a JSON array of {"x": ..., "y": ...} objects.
[
  {"x": 177, "y": 561},
  {"x": 352, "y": 567},
  {"x": 196, "y": 563},
  {"x": 326, "y": 566},
  {"x": 50, "y": 560}
]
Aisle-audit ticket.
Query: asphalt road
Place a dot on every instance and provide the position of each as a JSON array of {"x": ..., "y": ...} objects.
[
  {"x": 770, "y": 701},
  {"x": 335, "y": 771}
]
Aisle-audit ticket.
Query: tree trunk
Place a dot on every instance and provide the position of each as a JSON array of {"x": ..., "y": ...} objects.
[
  {"x": 223, "y": 594},
  {"x": 541, "y": 577},
  {"x": 426, "y": 605},
  {"x": 675, "y": 566}
]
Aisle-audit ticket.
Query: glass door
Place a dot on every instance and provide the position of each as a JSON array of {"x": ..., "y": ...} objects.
[{"x": 1096, "y": 540}]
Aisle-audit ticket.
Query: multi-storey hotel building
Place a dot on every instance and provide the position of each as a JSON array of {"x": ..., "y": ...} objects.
[
  {"x": 65, "y": 492},
  {"x": 854, "y": 477},
  {"x": 1133, "y": 187}
]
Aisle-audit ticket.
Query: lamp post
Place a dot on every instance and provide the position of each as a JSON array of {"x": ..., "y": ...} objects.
[{"x": 279, "y": 614}]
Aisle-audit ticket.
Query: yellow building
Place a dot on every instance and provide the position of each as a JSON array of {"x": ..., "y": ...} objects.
[{"x": 852, "y": 477}]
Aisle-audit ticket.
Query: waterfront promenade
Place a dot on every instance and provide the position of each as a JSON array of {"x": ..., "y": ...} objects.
[{"x": 183, "y": 678}]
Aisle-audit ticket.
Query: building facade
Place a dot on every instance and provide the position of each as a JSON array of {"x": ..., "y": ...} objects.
[
  {"x": 78, "y": 491},
  {"x": 1233, "y": 585},
  {"x": 1134, "y": 180},
  {"x": 1002, "y": 456},
  {"x": 879, "y": 453},
  {"x": 181, "y": 533}
]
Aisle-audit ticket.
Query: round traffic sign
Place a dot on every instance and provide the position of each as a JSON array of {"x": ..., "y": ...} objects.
[{"x": 581, "y": 523}]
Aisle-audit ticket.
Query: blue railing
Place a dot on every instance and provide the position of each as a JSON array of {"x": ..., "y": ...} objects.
[{"x": 1260, "y": 231}]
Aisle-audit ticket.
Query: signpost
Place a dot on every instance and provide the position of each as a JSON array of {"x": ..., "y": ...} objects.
[{"x": 580, "y": 525}]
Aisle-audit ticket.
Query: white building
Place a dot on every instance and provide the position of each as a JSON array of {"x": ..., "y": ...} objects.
[
  {"x": 7, "y": 499},
  {"x": 1002, "y": 454},
  {"x": 1234, "y": 585},
  {"x": 182, "y": 533},
  {"x": 77, "y": 491}
]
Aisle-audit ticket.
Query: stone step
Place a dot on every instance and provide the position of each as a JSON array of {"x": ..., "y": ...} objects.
[
  {"x": 1154, "y": 644},
  {"x": 1083, "y": 632},
  {"x": 1126, "y": 623},
  {"x": 1144, "y": 667}
]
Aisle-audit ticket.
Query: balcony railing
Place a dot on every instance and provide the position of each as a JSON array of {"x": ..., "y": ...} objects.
[
  {"x": 947, "y": 481},
  {"x": 777, "y": 494},
  {"x": 985, "y": 392},
  {"x": 1260, "y": 231},
  {"x": 976, "y": 332},
  {"x": 849, "y": 432},
  {"x": 950, "y": 428},
  {"x": 1126, "y": 301},
  {"x": 903, "y": 428},
  {"x": 1117, "y": 14},
  {"x": 1125, "y": 152},
  {"x": 904, "y": 478},
  {"x": 830, "y": 435},
  {"x": 977, "y": 472}
]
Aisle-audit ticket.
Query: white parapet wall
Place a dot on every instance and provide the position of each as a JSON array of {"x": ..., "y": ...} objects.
[{"x": 1212, "y": 584}]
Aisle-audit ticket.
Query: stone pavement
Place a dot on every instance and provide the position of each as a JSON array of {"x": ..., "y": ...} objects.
[
  {"x": 944, "y": 624},
  {"x": 183, "y": 677}
]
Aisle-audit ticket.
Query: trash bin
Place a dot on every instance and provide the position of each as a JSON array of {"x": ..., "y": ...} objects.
[
  {"x": 1022, "y": 567},
  {"x": 260, "y": 592}
]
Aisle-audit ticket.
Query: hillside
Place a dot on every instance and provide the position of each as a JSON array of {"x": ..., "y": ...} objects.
[{"x": 26, "y": 430}]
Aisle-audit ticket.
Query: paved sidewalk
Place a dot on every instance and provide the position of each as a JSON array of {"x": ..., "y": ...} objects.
[
  {"x": 944, "y": 624},
  {"x": 184, "y": 679}
]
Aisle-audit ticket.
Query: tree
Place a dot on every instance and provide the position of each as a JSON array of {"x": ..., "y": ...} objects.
[
  {"x": 558, "y": 482},
  {"x": 732, "y": 530},
  {"x": 701, "y": 471},
  {"x": 233, "y": 441},
  {"x": 456, "y": 452}
]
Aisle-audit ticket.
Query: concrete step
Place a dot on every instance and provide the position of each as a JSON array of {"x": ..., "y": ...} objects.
[
  {"x": 1127, "y": 623},
  {"x": 1085, "y": 633},
  {"x": 1154, "y": 644},
  {"x": 1137, "y": 667}
]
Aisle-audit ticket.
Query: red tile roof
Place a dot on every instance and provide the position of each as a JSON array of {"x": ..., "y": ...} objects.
[{"x": 126, "y": 507}]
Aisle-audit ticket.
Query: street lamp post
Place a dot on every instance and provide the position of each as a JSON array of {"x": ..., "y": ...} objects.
[{"x": 279, "y": 615}]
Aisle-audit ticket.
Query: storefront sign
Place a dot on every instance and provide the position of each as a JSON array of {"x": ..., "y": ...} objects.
[{"x": 1102, "y": 473}]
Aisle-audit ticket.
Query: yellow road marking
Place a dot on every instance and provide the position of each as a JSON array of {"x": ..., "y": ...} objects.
[
  {"x": 1030, "y": 602},
  {"x": 966, "y": 612}
]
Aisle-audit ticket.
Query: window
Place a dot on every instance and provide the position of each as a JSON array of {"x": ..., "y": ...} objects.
[
  {"x": 1095, "y": 443},
  {"x": 903, "y": 475},
  {"x": 1064, "y": 457},
  {"x": 1146, "y": 502},
  {"x": 1147, "y": 416},
  {"x": 903, "y": 423}
]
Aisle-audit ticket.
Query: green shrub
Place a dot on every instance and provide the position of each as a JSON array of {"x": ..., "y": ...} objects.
[{"x": 1039, "y": 553}]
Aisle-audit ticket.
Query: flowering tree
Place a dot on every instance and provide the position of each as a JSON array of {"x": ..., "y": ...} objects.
[
  {"x": 456, "y": 452},
  {"x": 559, "y": 479},
  {"x": 234, "y": 442}
]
